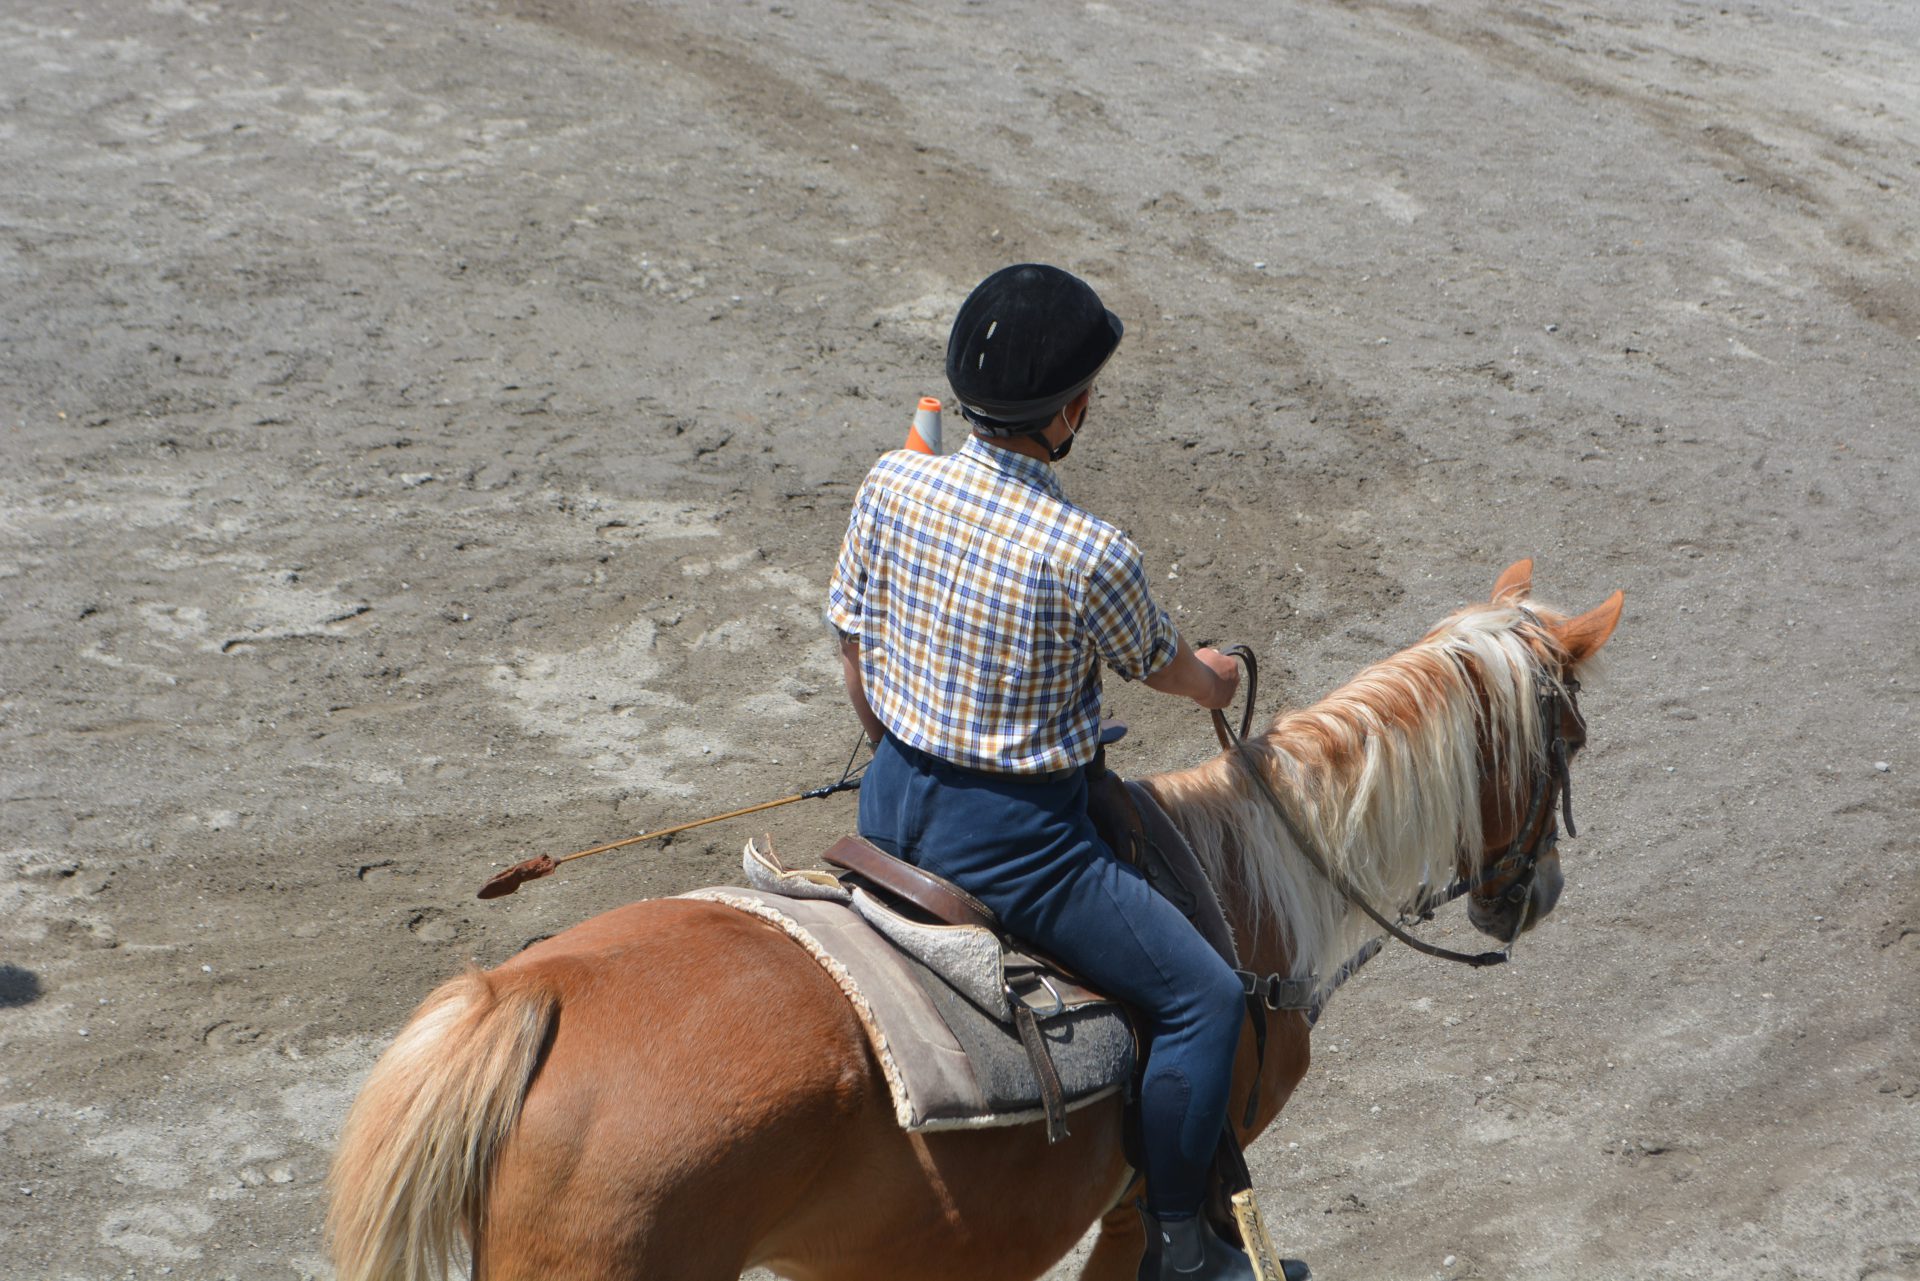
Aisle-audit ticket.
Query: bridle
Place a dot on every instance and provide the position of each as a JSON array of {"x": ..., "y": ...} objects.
[
  {"x": 1557, "y": 701},
  {"x": 1538, "y": 834}
]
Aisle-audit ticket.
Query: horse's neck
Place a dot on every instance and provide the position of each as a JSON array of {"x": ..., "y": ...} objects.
[
  {"x": 1381, "y": 781},
  {"x": 1262, "y": 938},
  {"x": 1287, "y": 916}
]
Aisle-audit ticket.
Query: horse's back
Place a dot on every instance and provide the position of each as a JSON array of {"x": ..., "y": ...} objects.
[{"x": 673, "y": 997}]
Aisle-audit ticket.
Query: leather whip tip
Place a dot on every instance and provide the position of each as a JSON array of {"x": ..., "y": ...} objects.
[{"x": 504, "y": 883}]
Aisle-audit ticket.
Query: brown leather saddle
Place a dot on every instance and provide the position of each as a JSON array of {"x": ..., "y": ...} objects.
[
  {"x": 1037, "y": 987},
  {"x": 1130, "y": 823}
]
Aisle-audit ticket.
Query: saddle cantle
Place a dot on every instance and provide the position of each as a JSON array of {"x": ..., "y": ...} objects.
[{"x": 938, "y": 897}]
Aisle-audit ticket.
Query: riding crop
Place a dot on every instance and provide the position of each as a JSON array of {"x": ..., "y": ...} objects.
[{"x": 506, "y": 882}]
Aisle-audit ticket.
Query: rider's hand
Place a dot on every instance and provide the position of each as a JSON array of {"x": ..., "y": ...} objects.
[{"x": 1226, "y": 679}]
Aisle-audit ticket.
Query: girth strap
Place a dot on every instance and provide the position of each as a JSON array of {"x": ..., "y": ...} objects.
[
  {"x": 1265, "y": 994},
  {"x": 1276, "y": 991},
  {"x": 1258, "y": 1014}
]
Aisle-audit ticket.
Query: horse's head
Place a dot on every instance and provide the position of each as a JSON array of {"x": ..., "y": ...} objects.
[{"x": 1523, "y": 795}]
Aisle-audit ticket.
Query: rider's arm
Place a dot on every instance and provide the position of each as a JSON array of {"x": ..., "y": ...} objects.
[
  {"x": 1137, "y": 640},
  {"x": 846, "y": 608},
  {"x": 857, "y": 689},
  {"x": 1206, "y": 676}
]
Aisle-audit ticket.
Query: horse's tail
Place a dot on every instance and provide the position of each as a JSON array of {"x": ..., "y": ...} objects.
[{"x": 409, "y": 1181}]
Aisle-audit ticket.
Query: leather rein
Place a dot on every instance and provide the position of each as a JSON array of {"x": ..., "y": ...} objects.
[{"x": 1537, "y": 835}]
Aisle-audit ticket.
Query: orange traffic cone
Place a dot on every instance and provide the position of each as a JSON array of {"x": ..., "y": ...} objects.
[{"x": 924, "y": 435}]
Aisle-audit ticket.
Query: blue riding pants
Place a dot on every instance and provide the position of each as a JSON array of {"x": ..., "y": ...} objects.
[{"x": 1028, "y": 851}]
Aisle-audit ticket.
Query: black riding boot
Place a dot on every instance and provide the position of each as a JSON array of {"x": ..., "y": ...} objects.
[{"x": 1190, "y": 1250}]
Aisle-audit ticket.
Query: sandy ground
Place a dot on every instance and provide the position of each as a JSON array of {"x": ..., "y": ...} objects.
[{"x": 427, "y": 427}]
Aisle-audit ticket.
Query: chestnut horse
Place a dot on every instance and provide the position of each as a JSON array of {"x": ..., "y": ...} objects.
[{"x": 674, "y": 1090}]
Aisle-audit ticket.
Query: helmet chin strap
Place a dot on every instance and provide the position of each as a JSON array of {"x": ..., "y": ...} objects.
[{"x": 1056, "y": 452}]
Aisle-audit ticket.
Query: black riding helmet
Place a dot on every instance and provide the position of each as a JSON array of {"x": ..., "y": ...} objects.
[{"x": 1026, "y": 342}]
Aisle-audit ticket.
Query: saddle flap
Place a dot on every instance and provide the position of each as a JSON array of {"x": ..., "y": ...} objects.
[{"x": 966, "y": 957}]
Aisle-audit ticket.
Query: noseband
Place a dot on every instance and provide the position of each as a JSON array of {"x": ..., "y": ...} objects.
[{"x": 1537, "y": 835}]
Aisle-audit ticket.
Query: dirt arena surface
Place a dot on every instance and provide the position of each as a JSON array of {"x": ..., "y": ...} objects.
[{"x": 426, "y": 428}]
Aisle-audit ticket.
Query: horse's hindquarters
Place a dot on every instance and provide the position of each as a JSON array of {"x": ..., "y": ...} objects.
[
  {"x": 708, "y": 1102},
  {"x": 698, "y": 1073}
]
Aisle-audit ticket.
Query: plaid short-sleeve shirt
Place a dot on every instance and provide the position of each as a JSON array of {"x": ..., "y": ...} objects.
[{"x": 984, "y": 603}]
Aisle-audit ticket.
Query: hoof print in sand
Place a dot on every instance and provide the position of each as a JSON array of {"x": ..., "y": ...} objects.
[
  {"x": 431, "y": 925},
  {"x": 230, "y": 1035}
]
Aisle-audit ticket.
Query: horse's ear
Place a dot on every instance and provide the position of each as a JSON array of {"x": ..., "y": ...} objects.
[
  {"x": 1515, "y": 583},
  {"x": 1582, "y": 637}
]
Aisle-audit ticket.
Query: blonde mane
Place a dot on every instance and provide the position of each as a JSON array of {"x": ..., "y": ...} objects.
[{"x": 1382, "y": 776}]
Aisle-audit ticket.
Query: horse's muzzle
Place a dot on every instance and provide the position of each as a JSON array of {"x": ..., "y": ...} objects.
[{"x": 1502, "y": 917}]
